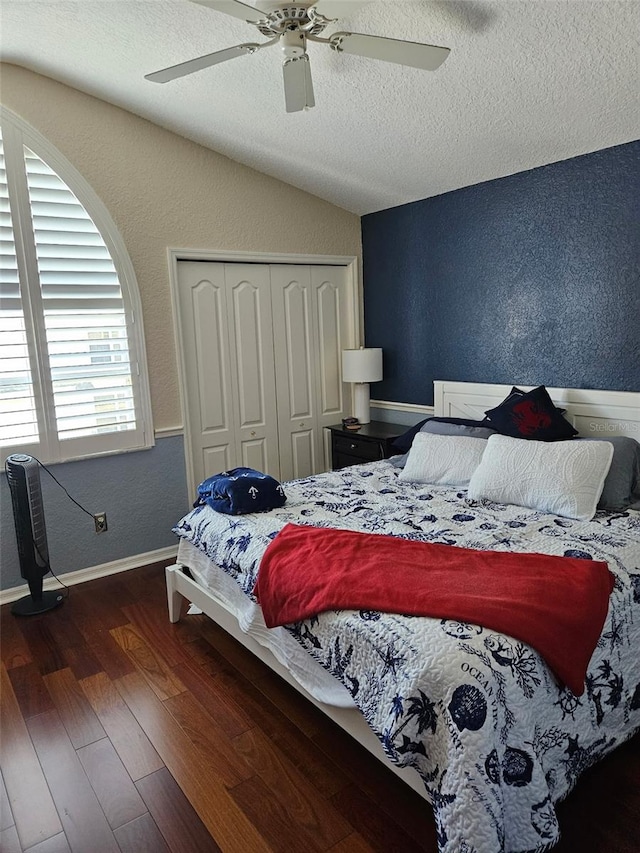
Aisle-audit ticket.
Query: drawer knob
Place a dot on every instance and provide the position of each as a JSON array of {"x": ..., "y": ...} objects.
[
  {"x": 353, "y": 446},
  {"x": 301, "y": 423},
  {"x": 253, "y": 432}
]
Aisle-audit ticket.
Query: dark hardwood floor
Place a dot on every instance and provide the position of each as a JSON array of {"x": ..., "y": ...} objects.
[{"x": 122, "y": 732}]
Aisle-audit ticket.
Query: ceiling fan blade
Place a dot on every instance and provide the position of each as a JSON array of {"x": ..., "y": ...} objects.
[
  {"x": 426, "y": 56},
  {"x": 233, "y": 7},
  {"x": 333, "y": 9},
  {"x": 200, "y": 62},
  {"x": 298, "y": 88}
]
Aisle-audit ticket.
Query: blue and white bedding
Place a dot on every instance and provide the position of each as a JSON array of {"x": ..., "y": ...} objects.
[{"x": 479, "y": 715}]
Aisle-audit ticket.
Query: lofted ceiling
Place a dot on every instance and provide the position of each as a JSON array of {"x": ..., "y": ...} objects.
[{"x": 527, "y": 82}]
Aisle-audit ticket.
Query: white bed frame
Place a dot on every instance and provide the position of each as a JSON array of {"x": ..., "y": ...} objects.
[
  {"x": 598, "y": 414},
  {"x": 595, "y": 414}
]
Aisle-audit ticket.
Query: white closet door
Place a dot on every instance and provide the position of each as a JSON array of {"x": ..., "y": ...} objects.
[
  {"x": 309, "y": 322},
  {"x": 208, "y": 397},
  {"x": 260, "y": 358},
  {"x": 227, "y": 344},
  {"x": 251, "y": 344}
]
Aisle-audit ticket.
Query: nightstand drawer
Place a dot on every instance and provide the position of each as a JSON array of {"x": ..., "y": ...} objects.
[
  {"x": 356, "y": 446},
  {"x": 371, "y": 442}
]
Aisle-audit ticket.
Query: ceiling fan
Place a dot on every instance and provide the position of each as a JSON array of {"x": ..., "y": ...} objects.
[{"x": 292, "y": 25}]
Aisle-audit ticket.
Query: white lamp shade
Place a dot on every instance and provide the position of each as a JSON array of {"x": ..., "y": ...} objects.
[{"x": 362, "y": 365}]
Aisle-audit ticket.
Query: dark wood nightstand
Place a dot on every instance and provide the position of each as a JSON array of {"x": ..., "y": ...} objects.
[{"x": 372, "y": 441}]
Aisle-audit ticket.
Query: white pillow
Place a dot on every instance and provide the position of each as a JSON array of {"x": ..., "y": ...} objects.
[
  {"x": 561, "y": 477},
  {"x": 442, "y": 459}
]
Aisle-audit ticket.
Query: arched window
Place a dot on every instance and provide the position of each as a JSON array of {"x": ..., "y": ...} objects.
[{"x": 73, "y": 379}]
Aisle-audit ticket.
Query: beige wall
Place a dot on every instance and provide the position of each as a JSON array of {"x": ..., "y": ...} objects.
[{"x": 166, "y": 192}]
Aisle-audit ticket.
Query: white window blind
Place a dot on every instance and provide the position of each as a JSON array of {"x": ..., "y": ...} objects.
[{"x": 71, "y": 382}]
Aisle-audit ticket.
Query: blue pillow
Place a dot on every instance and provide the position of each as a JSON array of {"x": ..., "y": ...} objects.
[
  {"x": 403, "y": 442},
  {"x": 622, "y": 483},
  {"x": 439, "y": 426}
]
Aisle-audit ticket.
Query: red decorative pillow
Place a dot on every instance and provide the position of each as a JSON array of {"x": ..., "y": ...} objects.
[{"x": 531, "y": 415}]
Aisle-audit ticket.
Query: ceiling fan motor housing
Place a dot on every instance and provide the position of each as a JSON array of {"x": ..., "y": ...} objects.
[{"x": 280, "y": 20}]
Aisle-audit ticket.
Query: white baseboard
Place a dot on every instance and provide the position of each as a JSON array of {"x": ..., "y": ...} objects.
[{"x": 82, "y": 575}]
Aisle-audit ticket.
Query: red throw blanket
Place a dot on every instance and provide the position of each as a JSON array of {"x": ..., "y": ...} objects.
[{"x": 557, "y": 605}]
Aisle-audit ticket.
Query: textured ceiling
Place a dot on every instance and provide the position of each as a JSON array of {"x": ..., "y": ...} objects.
[{"x": 526, "y": 83}]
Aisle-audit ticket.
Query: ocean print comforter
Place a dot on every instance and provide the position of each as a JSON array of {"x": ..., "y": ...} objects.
[{"x": 496, "y": 740}]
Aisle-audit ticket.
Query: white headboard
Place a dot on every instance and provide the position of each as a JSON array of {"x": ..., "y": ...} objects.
[{"x": 595, "y": 414}]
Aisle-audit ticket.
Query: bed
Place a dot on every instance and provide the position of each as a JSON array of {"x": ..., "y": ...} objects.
[{"x": 472, "y": 719}]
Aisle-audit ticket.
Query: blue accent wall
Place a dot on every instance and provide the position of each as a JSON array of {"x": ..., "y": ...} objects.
[
  {"x": 143, "y": 493},
  {"x": 532, "y": 279}
]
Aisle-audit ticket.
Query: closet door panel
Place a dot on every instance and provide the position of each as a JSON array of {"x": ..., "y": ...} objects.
[
  {"x": 255, "y": 455},
  {"x": 295, "y": 356},
  {"x": 330, "y": 342},
  {"x": 251, "y": 341},
  {"x": 215, "y": 460},
  {"x": 211, "y": 357},
  {"x": 333, "y": 321},
  {"x": 298, "y": 349},
  {"x": 248, "y": 353},
  {"x": 303, "y": 453},
  {"x": 210, "y": 428}
]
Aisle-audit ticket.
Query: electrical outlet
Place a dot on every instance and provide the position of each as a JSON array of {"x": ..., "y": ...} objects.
[{"x": 100, "y": 521}]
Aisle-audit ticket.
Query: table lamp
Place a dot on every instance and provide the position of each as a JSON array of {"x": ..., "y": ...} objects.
[{"x": 362, "y": 366}]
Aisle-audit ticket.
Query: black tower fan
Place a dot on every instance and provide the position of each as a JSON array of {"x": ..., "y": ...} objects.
[{"x": 23, "y": 476}]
